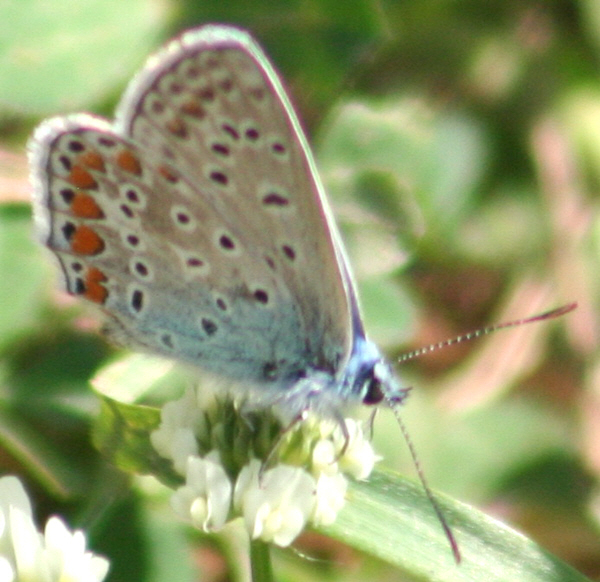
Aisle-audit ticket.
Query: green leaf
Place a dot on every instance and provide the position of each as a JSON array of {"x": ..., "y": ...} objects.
[
  {"x": 388, "y": 310},
  {"x": 390, "y": 517},
  {"x": 22, "y": 274},
  {"x": 122, "y": 434},
  {"x": 64, "y": 55},
  {"x": 42, "y": 458},
  {"x": 408, "y": 151}
]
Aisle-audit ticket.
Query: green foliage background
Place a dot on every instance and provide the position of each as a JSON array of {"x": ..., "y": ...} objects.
[{"x": 460, "y": 144}]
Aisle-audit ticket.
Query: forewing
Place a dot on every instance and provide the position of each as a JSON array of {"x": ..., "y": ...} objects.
[{"x": 198, "y": 221}]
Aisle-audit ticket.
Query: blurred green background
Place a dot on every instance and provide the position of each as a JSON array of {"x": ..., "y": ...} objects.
[{"x": 460, "y": 145}]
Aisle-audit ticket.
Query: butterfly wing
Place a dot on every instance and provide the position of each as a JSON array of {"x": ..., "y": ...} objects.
[{"x": 198, "y": 221}]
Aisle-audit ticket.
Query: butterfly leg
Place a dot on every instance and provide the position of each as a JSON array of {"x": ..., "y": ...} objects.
[{"x": 284, "y": 431}]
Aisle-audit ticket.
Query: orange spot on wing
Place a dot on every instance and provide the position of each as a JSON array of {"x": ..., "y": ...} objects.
[
  {"x": 94, "y": 290},
  {"x": 92, "y": 160},
  {"x": 128, "y": 162},
  {"x": 84, "y": 206},
  {"x": 177, "y": 127},
  {"x": 85, "y": 241},
  {"x": 193, "y": 109},
  {"x": 81, "y": 178}
]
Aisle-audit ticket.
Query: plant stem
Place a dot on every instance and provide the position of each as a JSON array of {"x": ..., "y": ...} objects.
[{"x": 260, "y": 562}]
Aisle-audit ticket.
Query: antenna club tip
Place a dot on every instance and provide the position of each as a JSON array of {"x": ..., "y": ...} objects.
[{"x": 560, "y": 310}]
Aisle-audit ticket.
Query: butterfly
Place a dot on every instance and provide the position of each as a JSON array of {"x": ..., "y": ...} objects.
[{"x": 198, "y": 222}]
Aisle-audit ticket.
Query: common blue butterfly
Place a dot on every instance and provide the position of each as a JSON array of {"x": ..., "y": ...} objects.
[{"x": 198, "y": 222}]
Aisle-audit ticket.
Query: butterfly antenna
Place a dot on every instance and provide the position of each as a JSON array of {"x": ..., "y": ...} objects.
[
  {"x": 487, "y": 330},
  {"x": 431, "y": 348},
  {"x": 432, "y": 500}
]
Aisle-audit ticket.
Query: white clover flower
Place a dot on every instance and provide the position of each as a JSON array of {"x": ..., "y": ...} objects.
[
  {"x": 325, "y": 458},
  {"x": 26, "y": 555},
  {"x": 218, "y": 450},
  {"x": 359, "y": 457},
  {"x": 330, "y": 498},
  {"x": 175, "y": 438},
  {"x": 6, "y": 570},
  {"x": 276, "y": 505},
  {"x": 66, "y": 552},
  {"x": 205, "y": 499}
]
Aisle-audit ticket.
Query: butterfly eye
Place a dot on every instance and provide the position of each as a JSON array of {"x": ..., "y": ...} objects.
[{"x": 374, "y": 393}]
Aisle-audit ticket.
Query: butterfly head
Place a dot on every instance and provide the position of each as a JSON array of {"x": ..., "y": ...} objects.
[
  {"x": 370, "y": 378},
  {"x": 381, "y": 385}
]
